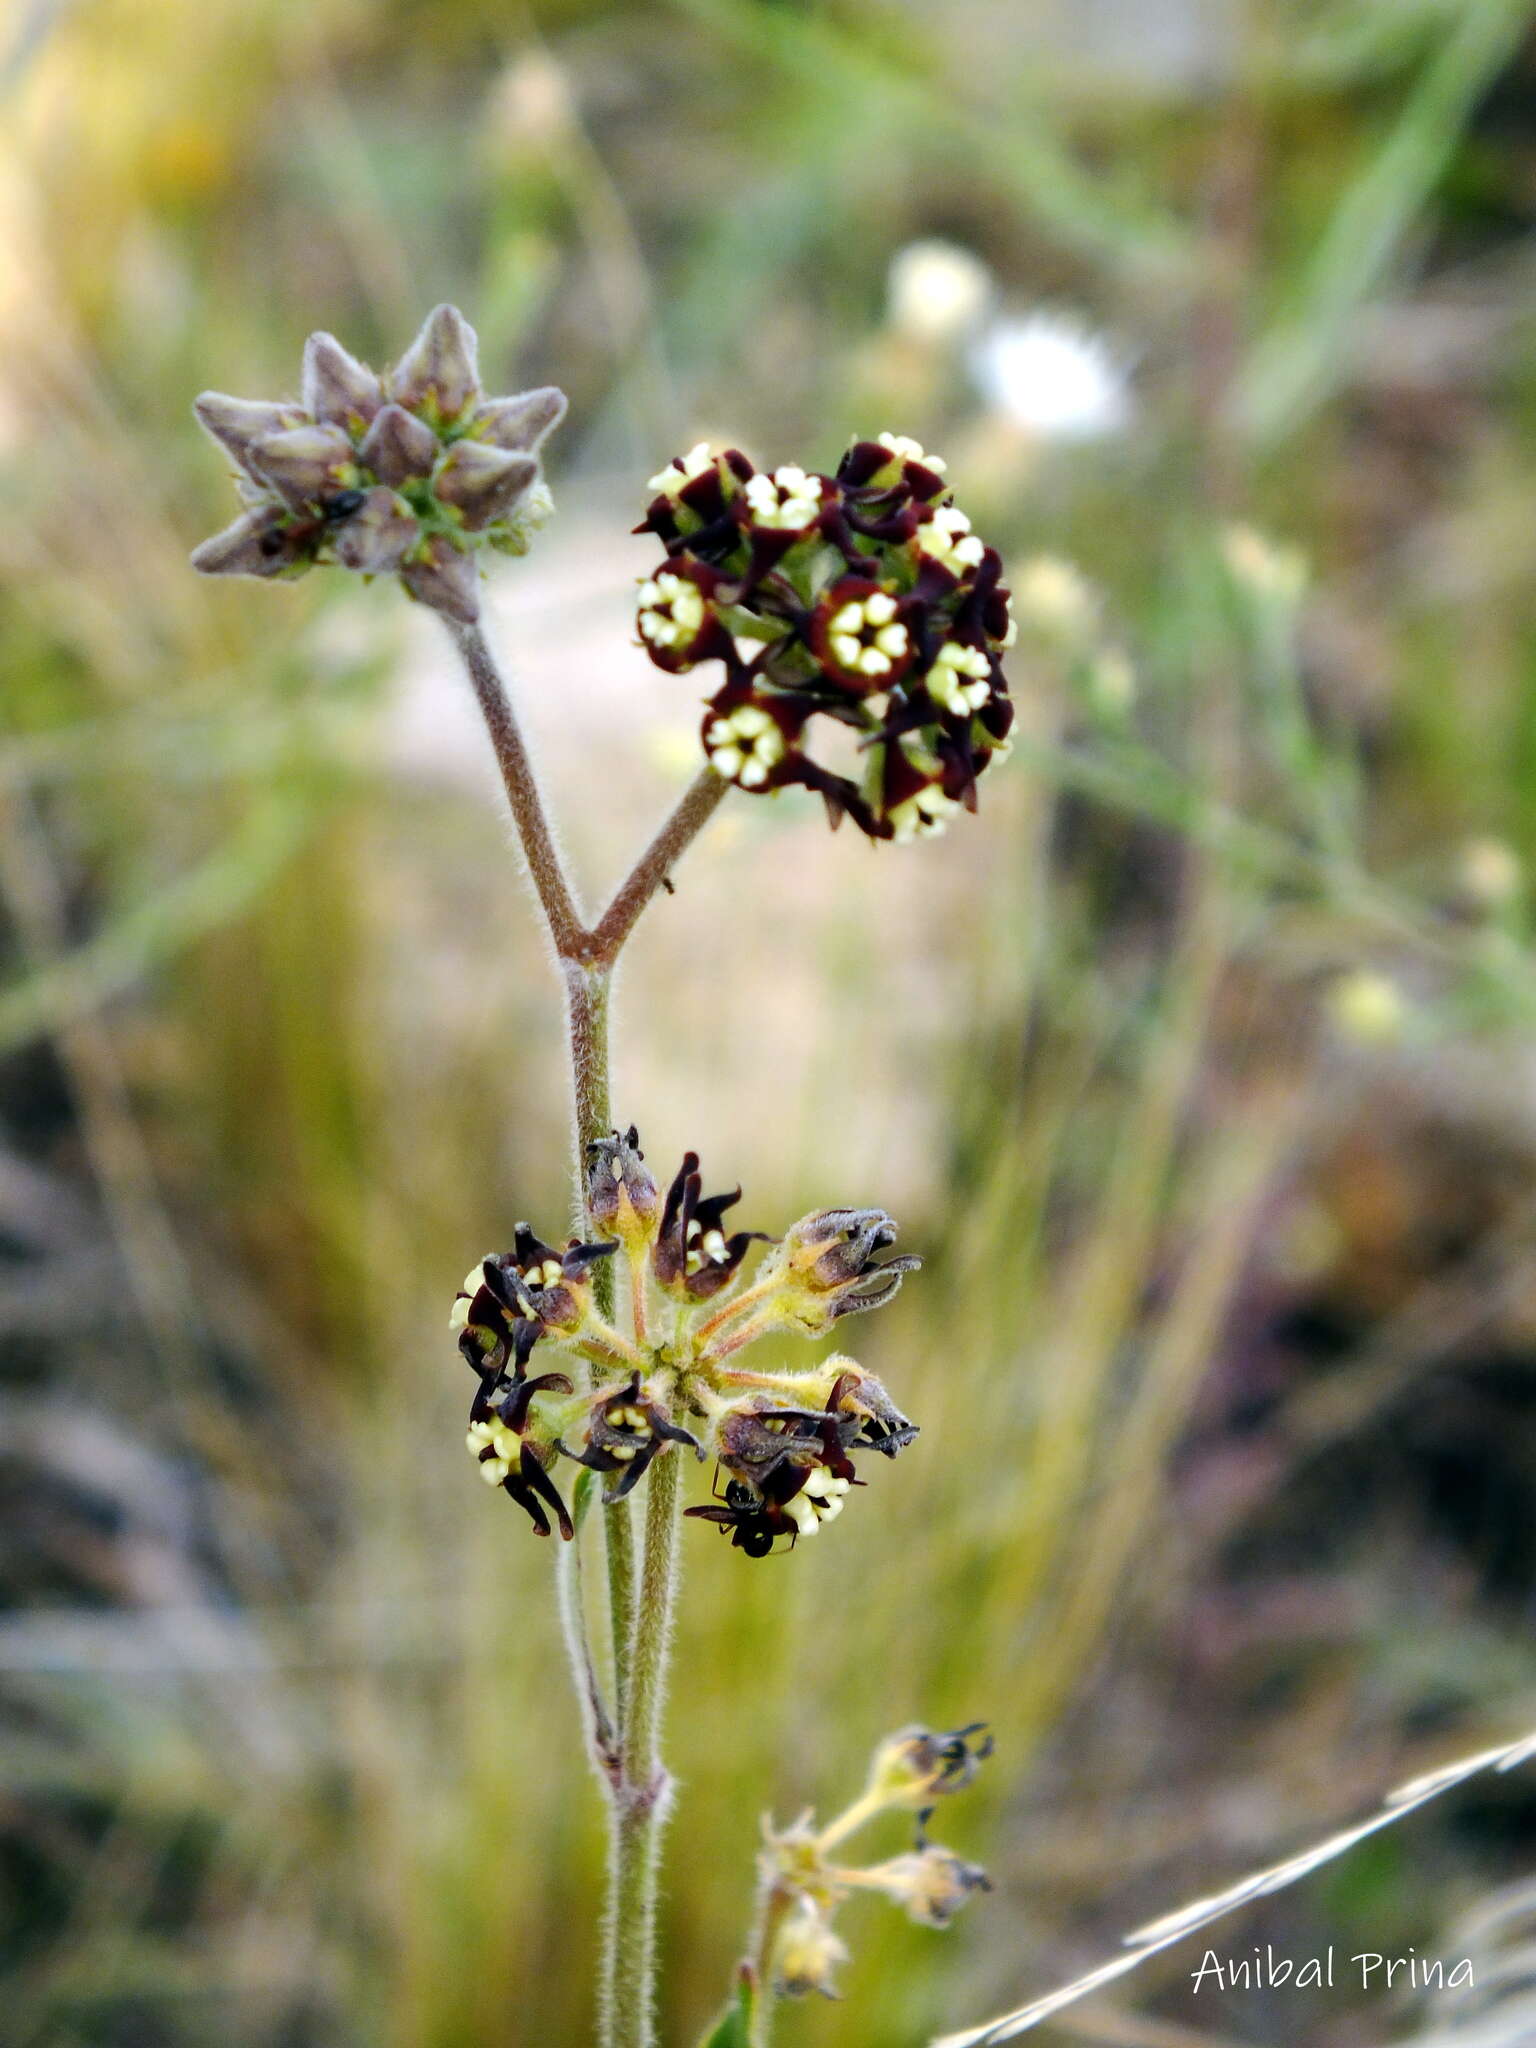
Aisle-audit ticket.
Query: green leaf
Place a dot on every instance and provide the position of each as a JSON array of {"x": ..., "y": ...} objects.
[{"x": 733, "y": 2029}]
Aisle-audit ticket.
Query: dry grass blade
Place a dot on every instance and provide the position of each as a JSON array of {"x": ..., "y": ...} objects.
[
  {"x": 1163, "y": 1933},
  {"x": 1500, "y": 2010}
]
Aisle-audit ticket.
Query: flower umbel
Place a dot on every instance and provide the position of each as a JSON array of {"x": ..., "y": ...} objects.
[
  {"x": 803, "y": 1883},
  {"x": 409, "y": 472},
  {"x": 785, "y": 1443},
  {"x": 863, "y": 598}
]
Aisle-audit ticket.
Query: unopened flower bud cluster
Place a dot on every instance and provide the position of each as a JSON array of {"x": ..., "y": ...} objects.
[
  {"x": 784, "y": 1444},
  {"x": 862, "y": 599},
  {"x": 409, "y": 472}
]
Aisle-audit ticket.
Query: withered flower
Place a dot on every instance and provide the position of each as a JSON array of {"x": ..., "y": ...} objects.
[
  {"x": 512, "y": 1299},
  {"x": 494, "y": 1330},
  {"x": 792, "y": 1458},
  {"x": 829, "y": 1268},
  {"x": 931, "y": 1884},
  {"x": 789, "y": 1470},
  {"x": 784, "y": 1443},
  {"x": 807, "y": 1954},
  {"x": 411, "y": 472},
  {"x": 862, "y": 598},
  {"x": 622, "y": 1195},
  {"x": 869, "y": 1418},
  {"x": 803, "y": 1873},
  {"x": 915, "y": 1767}
]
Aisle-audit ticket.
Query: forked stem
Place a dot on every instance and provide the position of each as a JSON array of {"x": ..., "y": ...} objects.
[
  {"x": 626, "y": 1742},
  {"x": 537, "y": 840}
]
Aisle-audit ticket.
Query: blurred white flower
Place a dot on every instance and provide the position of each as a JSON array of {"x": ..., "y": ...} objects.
[
  {"x": 1054, "y": 376},
  {"x": 531, "y": 110},
  {"x": 1054, "y": 598},
  {"x": 1264, "y": 569},
  {"x": 1368, "y": 1007},
  {"x": 1112, "y": 682},
  {"x": 937, "y": 292},
  {"x": 1490, "y": 872}
]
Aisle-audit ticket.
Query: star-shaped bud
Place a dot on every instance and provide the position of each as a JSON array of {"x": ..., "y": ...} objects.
[
  {"x": 484, "y": 484},
  {"x": 520, "y": 424},
  {"x": 338, "y": 390},
  {"x": 398, "y": 447},
  {"x": 439, "y": 374}
]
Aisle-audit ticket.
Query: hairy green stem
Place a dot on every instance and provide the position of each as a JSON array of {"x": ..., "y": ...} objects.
[
  {"x": 533, "y": 829},
  {"x": 694, "y": 810},
  {"x": 587, "y": 992},
  {"x": 602, "y": 1738},
  {"x": 628, "y": 2018},
  {"x": 626, "y": 1748}
]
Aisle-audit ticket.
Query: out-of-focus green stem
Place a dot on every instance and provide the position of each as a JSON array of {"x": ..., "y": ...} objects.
[{"x": 773, "y": 1904}]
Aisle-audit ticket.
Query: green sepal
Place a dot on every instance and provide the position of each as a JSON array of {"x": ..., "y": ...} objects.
[
  {"x": 742, "y": 624},
  {"x": 733, "y": 2029}
]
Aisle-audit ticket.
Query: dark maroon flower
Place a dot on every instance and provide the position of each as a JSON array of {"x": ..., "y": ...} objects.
[
  {"x": 860, "y": 637},
  {"x": 626, "y": 1432},
  {"x": 678, "y": 619},
  {"x": 692, "y": 1255},
  {"x": 498, "y": 1441},
  {"x": 751, "y": 736}
]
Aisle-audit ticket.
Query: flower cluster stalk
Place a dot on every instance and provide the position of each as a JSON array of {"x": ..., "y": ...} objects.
[
  {"x": 873, "y": 607},
  {"x": 624, "y": 1738}
]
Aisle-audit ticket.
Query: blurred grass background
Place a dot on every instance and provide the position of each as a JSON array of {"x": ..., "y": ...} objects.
[{"x": 1201, "y": 1067}]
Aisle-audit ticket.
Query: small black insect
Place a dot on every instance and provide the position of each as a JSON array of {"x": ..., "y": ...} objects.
[
  {"x": 754, "y": 1523},
  {"x": 304, "y": 533}
]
